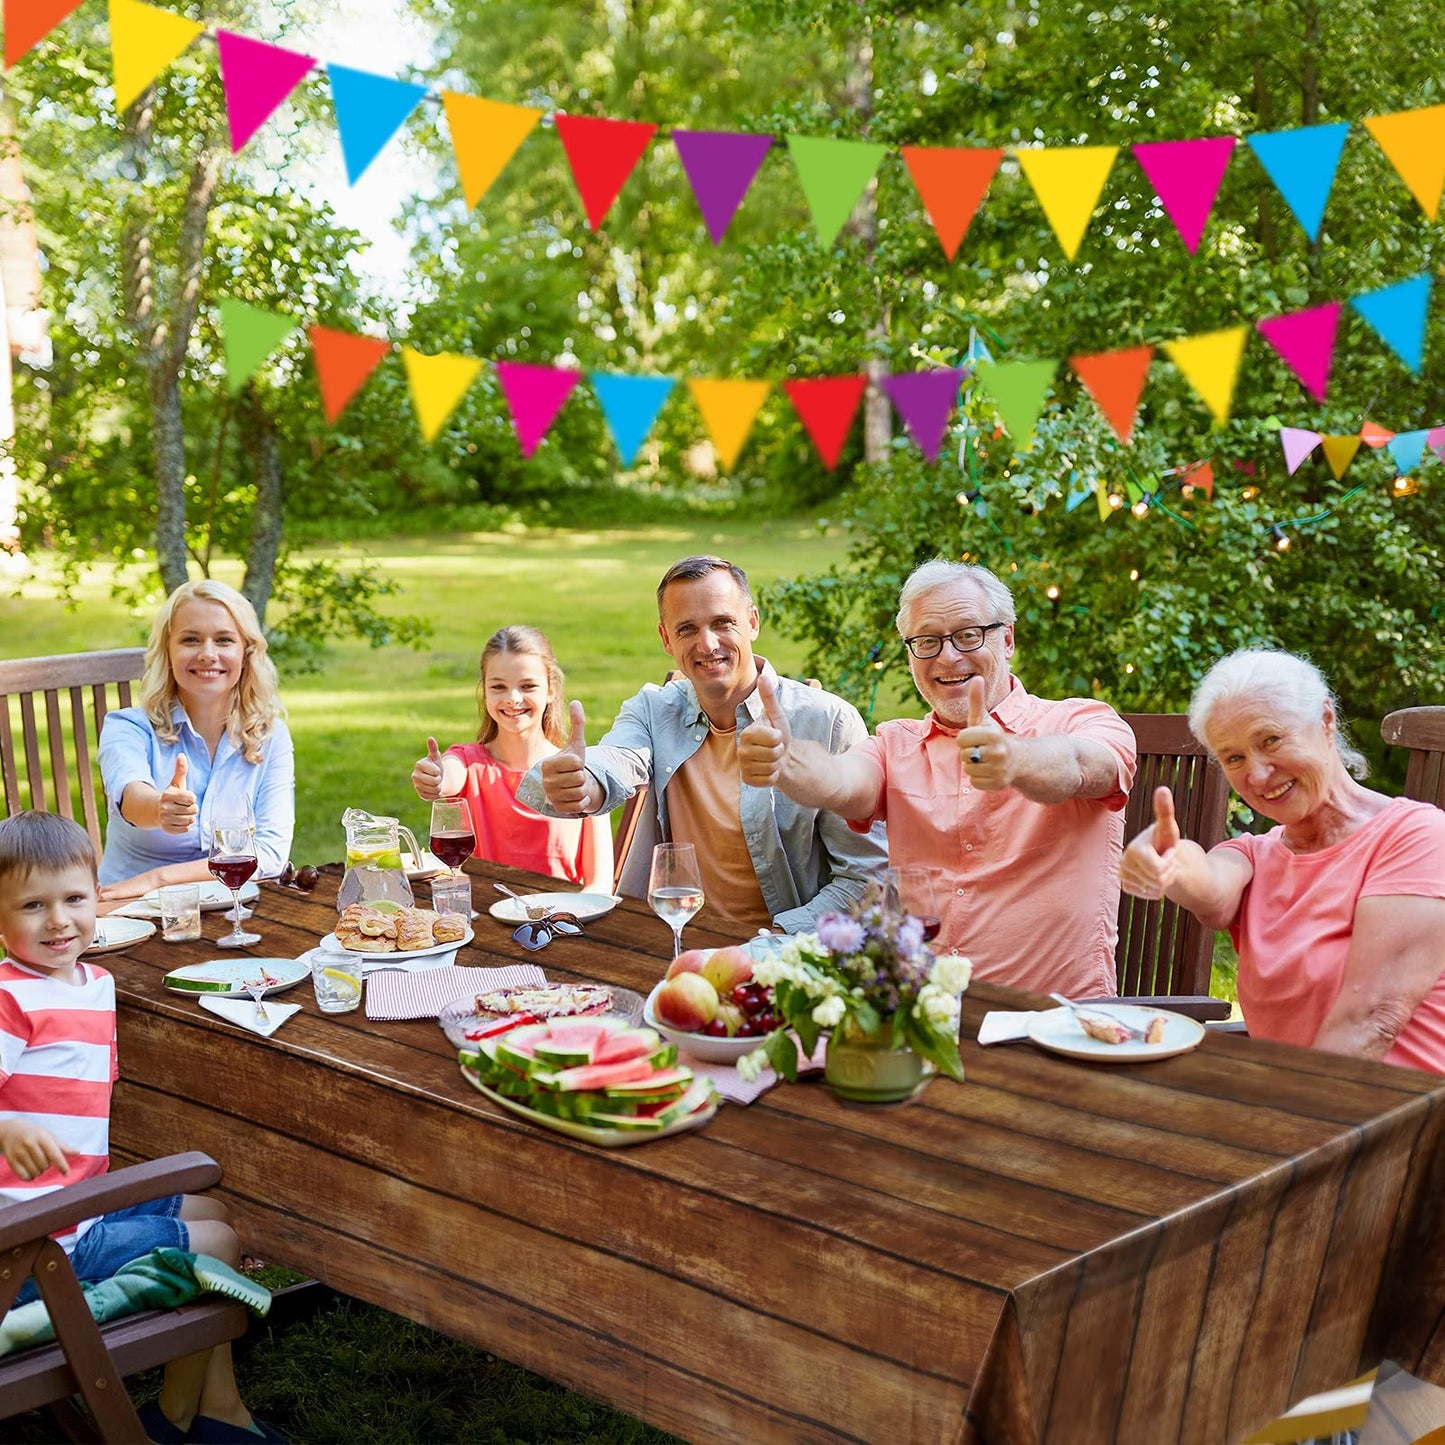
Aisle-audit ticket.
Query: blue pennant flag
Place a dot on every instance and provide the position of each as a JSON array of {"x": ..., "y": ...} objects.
[
  {"x": 1398, "y": 313},
  {"x": 1080, "y": 490},
  {"x": 631, "y": 405},
  {"x": 1302, "y": 165},
  {"x": 1406, "y": 448},
  {"x": 370, "y": 109}
]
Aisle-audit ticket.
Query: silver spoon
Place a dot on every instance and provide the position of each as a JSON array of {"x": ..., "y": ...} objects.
[{"x": 535, "y": 911}]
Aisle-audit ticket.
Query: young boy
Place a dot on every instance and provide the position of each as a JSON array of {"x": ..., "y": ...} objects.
[{"x": 57, "y": 1066}]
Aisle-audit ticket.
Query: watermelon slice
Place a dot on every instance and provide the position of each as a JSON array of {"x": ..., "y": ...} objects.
[
  {"x": 698, "y": 1096},
  {"x": 659, "y": 1084},
  {"x": 595, "y": 1076},
  {"x": 629, "y": 1044}
]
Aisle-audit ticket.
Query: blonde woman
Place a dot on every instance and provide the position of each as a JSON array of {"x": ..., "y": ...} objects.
[{"x": 207, "y": 741}]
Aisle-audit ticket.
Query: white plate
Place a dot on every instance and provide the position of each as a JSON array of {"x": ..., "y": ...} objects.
[
  {"x": 235, "y": 972},
  {"x": 584, "y": 906},
  {"x": 370, "y": 954},
  {"x": 214, "y": 897},
  {"x": 113, "y": 934},
  {"x": 429, "y": 866},
  {"x": 1058, "y": 1030},
  {"x": 700, "y": 1046},
  {"x": 607, "y": 1138}
]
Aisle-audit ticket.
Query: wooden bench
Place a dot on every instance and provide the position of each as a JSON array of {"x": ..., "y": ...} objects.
[{"x": 51, "y": 711}]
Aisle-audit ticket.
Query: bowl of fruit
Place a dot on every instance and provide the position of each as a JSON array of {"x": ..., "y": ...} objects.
[{"x": 709, "y": 1006}]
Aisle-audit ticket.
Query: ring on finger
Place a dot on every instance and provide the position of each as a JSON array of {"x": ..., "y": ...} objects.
[{"x": 976, "y": 756}]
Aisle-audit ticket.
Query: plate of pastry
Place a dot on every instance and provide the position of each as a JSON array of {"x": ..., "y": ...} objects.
[{"x": 399, "y": 932}]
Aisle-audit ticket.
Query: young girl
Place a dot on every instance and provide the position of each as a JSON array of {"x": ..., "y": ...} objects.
[{"x": 520, "y": 698}]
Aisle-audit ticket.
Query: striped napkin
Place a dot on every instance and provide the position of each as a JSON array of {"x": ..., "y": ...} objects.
[
  {"x": 394, "y": 996},
  {"x": 735, "y": 1089}
]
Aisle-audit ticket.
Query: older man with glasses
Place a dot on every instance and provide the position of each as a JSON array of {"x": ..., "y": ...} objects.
[{"x": 1016, "y": 799}]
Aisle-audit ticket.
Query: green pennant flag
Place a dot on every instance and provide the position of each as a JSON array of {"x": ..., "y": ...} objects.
[
  {"x": 1018, "y": 389},
  {"x": 249, "y": 335},
  {"x": 833, "y": 174}
]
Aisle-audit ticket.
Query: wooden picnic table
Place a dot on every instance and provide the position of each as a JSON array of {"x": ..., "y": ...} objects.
[{"x": 1050, "y": 1251}]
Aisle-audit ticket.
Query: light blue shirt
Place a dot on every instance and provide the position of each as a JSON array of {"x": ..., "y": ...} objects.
[
  {"x": 130, "y": 752},
  {"x": 808, "y": 861}
]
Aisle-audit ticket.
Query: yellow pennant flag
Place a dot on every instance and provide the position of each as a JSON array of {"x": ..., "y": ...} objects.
[
  {"x": 728, "y": 408},
  {"x": 1068, "y": 180},
  {"x": 1414, "y": 141},
  {"x": 1101, "y": 496},
  {"x": 143, "y": 41},
  {"x": 1340, "y": 452},
  {"x": 1210, "y": 361},
  {"x": 437, "y": 384},
  {"x": 485, "y": 136}
]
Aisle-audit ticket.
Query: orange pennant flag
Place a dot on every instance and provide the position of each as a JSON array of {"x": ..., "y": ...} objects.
[
  {"x": 438, "y": 384},
  {"x": 1414, "y": 142},
  {"x": 343, "y": 362},
  {"x": 1375, "y": 435},
  {"x": 1340, "y": 452},
  {"x": 1210, "y": 361},
  {"x": 28, "y": 22},
  {"x": 951, "y": 182},
  {"x": 1201, "y": 475},
  {"x": 485, "y": 135},
  {"x": 1068, "y": 181},
  {"x": 1115, "y": 380},
  {"x": 728, "y": 408},
  {"x": 143, "y": 41}
]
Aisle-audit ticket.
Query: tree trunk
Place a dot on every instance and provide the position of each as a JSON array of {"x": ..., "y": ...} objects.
[{"x": 268, "y": 519}]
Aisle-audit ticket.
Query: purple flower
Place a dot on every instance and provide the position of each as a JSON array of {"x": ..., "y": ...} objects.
[
  {"x": 840, "y": 934},
  {"x": 910, "y": 936}
]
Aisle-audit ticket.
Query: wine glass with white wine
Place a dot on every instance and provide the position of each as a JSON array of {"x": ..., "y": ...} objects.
[{"x": 674, "y": 890}]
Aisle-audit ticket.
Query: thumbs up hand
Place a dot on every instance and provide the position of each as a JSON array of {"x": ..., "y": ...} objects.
[
  {"x": 763, "y": 746},
  {"x": 177, "y": 809},
  {"x": 988, "y": 751},
  {"x": 1150, "y": 863},
  {"x": 426, "y": 776},
  {"x": 568, "y": 784}
]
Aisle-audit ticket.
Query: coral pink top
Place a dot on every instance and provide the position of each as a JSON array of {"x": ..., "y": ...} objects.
[
  {"x": 510, "y": 832},
  {"x": 1297, "y": 918}
]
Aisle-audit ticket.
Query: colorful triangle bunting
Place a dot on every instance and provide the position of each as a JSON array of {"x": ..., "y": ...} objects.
[
  {"x": 951, "y": 183},
  {"x": 343, "y": 360},
  {"x": 631, "y": 405},
  {"x": 1374, "y": 435},
  {"x": 1018, "y": 389},
  {"x": 144, "y": 40},
  {"x": 1414, "y": 143},
  {"x": 1340, "y": 452},
  {"x": 534, "y": 395},
  {"x": 924, "y": 399},
  {"x": 1302, "y": 165},
  {"x": 728, "y": 408},
  {"x": 721, "y": 166},
  {"x": 28, "y": 22},
  {"x": 249, "y": 335},
  {"x": 1186, "y": 174},
  {"x": 833, "y": 174},
  {"x": 1306, "y": 341},
  {"x": 257, "y": 77},
  {"x": 485, "y": 135},
  {"x": 437, "y": 385},
  {"x": 1398, "y": 314},
  {"x": 1210, "y": 362},
  {"x": 1297, "y": 444},
  {"x": 370, "y": 109},
  {"x": 602, "y": 154},
  {"x": 1068, "y": 181},
  {"x": 1115, "y": 380},
  {"x": 1407, "y": 449},
  {"x": 826, "y": 405}
]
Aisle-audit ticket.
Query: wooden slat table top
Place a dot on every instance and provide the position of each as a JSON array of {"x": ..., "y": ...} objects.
[{"x": 1051, "y": 1250}]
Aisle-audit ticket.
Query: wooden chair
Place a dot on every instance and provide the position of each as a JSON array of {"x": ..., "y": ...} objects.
[
  {"x": 1163, "y": 950},
  {"x": 1422, "y": 730},
  {"x": 51, "y": 709},
  {"x": 90, "y": 1359},
  {"x": 630, "y": 816}
]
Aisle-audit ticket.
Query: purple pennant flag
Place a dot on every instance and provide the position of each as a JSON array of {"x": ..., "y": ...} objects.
[
  {"x": 1297, "y": 444},
  {"x": 535, "y": 395},
  {"x": 721, "y": 166},
  {"x": 923, "y": 400}
]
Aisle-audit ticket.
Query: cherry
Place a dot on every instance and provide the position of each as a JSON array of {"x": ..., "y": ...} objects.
[
  {"x": 716, "y": 1028},
  {"x": 748, "y": 1029}
]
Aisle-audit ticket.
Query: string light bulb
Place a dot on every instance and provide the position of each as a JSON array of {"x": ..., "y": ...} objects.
[
  {"x": 1115, "y": 501},
  {"x": 1140, "y": 508},
  {"x": 1128, "y": 667},
  {"x": 1248, "y": 494},
  {"x": 1281, "y": 537},
  {"x": 1406, "y": 487},
  {"x": 967, "y": 498},
  {"x": 1052, "y": 592},
  {"x": 1133, "y": 574}
]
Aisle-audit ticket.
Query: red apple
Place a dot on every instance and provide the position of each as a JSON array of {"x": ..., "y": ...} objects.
[
  {"x": 689, "y": 961},
  {"x": 727, "y": 968},
  {"x": 688, "y": 1002}
]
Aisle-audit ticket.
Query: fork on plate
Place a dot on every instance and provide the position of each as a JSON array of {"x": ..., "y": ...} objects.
[{"x": 1079, "y": 1009}]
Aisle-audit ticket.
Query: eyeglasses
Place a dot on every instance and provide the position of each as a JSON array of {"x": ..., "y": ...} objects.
[
  {"x": 539, "y": 932},
  {"x": 966, "y": 639}
]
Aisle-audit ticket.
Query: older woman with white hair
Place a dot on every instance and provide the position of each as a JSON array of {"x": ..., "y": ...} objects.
[{"x": 1338, "y": 913}]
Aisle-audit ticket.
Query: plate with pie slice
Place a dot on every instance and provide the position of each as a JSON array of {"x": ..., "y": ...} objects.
[
  {"x": 583, "y": 906},
  {"x": 1059, "y": 1031}
]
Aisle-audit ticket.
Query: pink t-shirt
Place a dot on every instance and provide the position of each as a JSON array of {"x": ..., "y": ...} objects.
[
  {"x": 1033, "y": 888},
  {"x": 1297, "y": 918},
  {"x": 510, "y": 832}
]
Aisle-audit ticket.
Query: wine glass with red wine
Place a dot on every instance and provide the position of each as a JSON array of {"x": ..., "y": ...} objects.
[
  {"x": 233, "y": 861},
  {"x": 916, "y": 889},
  {"x": 452, "y": 836}
]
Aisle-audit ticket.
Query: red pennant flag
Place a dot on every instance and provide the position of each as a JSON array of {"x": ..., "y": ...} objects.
[
  {"x": 343, "y": 362},
  {"x": 826, "y": 407},
  {"x": 1375, "y": 435},
  {"x": 602, "y": 154},
  {"x": 1201, "y": 475},
  {"x": 1115, "y": 379},
  {"x": 951, "y": 182},
  {"x": 28, "y": 22}
]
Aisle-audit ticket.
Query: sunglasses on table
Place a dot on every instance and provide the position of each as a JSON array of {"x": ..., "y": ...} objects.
[{"x": 537, "y": 933}]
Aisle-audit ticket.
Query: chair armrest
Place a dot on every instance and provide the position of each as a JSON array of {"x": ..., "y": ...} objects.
[
  {"x": 1229, "y": 1026},
  {"x": 1193, "y": 1006},
  {"x": 175, "y": 1174}
]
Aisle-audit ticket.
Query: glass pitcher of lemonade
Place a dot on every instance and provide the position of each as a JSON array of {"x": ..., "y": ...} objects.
[{"x": 373, "y": 860}]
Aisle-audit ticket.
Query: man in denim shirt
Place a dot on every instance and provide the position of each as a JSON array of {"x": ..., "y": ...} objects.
[{"x": 766, "y": 861}]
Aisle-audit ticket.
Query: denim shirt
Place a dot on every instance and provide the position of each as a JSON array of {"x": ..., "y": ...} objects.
[
  {"x": 130, "y": 752},
  {"x": 808, "y": 861}
]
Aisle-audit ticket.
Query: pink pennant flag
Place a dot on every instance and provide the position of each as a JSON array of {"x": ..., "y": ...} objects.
[
  {"x": 1435, "y": 440},
  {"x": 1297, "y": 444},
  {"x": 535, "y": 395},
  {"x": 256, "y": 77},
  {"x": 1306, "y": 342},
  {"x": 1186, "y": 175}
]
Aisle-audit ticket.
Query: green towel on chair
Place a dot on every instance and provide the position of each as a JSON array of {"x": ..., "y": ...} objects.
[{"x": 159, "y": 1280}]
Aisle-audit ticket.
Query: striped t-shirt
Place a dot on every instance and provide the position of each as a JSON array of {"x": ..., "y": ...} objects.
[{"x": 57, "y": 1067}]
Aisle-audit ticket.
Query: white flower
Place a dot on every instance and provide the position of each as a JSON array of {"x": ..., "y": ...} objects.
[
  {"x": 936, "y": 1005},
  {"x": 952, "y": 973},
  {"x": 830, "y": 1012},
  {"x": 751, "y": 1065}
]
